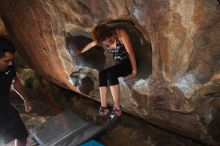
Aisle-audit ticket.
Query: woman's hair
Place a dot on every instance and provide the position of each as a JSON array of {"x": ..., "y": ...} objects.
[
  {"x": 6, "y": 46},
  {"x": 101, "y": 32}
]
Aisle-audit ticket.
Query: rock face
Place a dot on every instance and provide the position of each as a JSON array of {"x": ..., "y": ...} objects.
[
  {"x": 2, "y": 29},
  {"x": 176, "y": 45}
]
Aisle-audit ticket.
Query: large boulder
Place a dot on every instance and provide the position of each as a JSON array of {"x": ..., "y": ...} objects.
[{"x": 176, "y": 45}]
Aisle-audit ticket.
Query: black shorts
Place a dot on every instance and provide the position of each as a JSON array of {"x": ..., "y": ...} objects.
[{"x": 110, "y": 75}]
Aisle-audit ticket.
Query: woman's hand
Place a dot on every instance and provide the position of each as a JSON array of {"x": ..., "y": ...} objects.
[
  {"x": 130, "y": 76},
  {"x": 27, "y": 106}
]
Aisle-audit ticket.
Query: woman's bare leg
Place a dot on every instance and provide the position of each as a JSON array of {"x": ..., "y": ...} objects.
[
  {"x": 103, "y": 95},
  {"x": 115, "y": 91}
]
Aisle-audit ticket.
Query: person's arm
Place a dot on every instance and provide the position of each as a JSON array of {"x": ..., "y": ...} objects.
[
  {"x": 18, "y": 88},
  {"x": 129, "y": 48},
  {"x": 86, "y": 48}
]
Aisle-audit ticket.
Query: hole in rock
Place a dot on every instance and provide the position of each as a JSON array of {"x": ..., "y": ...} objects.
[{"x": 99, "y": 58}]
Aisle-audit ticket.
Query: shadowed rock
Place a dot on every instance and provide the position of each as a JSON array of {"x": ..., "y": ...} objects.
[{"x": 176, "y": 45}]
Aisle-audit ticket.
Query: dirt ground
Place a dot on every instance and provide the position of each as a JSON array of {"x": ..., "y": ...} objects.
[{"x": 129, "y": 131}]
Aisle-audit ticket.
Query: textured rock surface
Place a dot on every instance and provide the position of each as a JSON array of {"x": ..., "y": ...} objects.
[
  {"x": 2, "y": 29},
  {"x": 176, "y": 43}
]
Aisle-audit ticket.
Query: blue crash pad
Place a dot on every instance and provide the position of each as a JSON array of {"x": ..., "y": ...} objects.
[
  {"x": 92, "y": 143},
  {"x": 65, "y": 129}
]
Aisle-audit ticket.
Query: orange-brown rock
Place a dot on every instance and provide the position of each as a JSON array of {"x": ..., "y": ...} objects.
[{"x": 176, "y": 44}]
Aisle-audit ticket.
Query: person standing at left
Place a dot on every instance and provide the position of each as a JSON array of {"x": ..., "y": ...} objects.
[{"x": 12, "y": 128}]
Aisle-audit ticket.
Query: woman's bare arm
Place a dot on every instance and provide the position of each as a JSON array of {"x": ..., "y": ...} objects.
[
  {"x": 88, "y": 47},
  {"x": 78, "y": 51}
]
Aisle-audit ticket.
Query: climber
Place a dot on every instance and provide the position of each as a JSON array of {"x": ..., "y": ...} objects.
[
  {"x": 117, "y": 42},
  {"x": 12, "y": 129}
]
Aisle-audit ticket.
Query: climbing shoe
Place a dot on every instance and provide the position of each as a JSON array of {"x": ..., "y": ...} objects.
[
  {"x": 102, "y": 116},
  {"x": 114, "y": 115}
]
